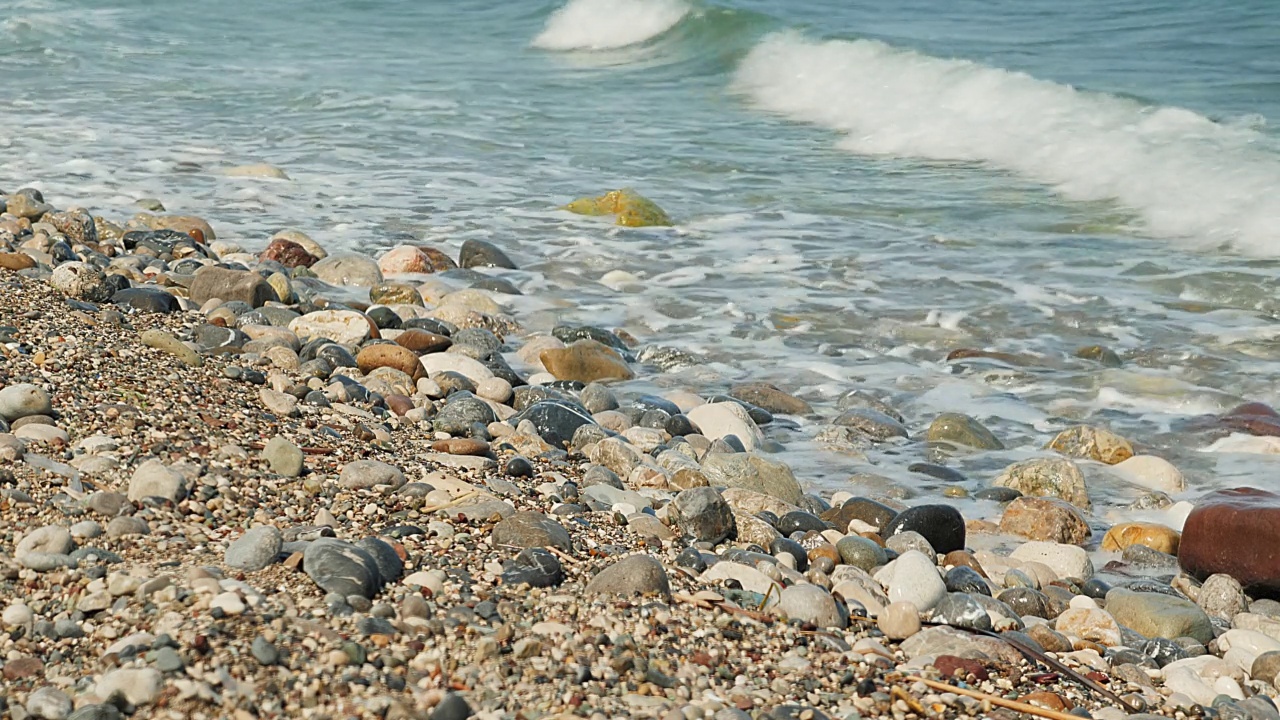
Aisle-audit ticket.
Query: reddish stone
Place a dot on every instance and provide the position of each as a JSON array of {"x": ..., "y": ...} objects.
[
  {"x": 422, "y": 341},
  {"x": 399, "y": 404},
  {"x": 23, "y": 667},
  {"x": 288, "y": 253},
  {"x": 461, "y": 446},
  {"x": 1254, "y": 418},
  {"x": 949, "y": 664},
  {"x": 1236, "y": 532}
]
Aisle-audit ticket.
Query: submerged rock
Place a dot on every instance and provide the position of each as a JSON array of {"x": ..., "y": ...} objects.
[
  {"x": 1052, "y": 477},
  {"x": 631, "y": 208}
]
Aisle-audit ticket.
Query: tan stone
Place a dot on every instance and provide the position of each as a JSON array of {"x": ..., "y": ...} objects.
[
  {"x": 1089, "y": 624},
  {"x": 389, "y": 355},
  {"x": 409, "y": 259},
  {"x": 1154, "y": 536},
  {"x": 586, "y": 361},
  {"x": 16, "y": 261},
  {"x": 1043, "y": 518},
  {"x": 1092, "y": 443}
]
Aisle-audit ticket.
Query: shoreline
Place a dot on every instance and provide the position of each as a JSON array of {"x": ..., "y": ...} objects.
[{"x": 379, "y": 453}]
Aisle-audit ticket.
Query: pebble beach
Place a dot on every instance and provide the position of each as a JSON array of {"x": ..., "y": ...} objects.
[{"x": 253, "y": 478}]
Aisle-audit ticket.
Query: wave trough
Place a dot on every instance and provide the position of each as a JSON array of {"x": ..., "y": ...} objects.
[
  {"x": 609, "y": 24},
  {"x": 1186, "y": 176}
]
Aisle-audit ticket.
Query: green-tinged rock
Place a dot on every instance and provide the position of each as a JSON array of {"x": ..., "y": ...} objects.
[
  {"x": 1159, "y": 615},
  {"x": 631, "y": 208},
  {"x": 284, "y": 457},
  {"x": 958, "y": 429},
  {"x": 752, "y": 472},
  {"x": 1092, "y": 443},
  {"x": 166, "y": 342},
  {"x": 1047, "y": 477},
  {"x": 395, "y": 294}
]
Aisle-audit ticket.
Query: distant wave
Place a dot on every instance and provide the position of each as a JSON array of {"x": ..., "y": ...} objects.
[
  {"x": 609, "y": 24},
  {"x": 1186, "y": 176}
]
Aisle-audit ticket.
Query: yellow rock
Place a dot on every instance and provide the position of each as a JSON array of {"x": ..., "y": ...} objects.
[
  {"x": 631, "y": 208},
  {"x": 258, "y": 170},
  {"x": 1156, "y": 537},
  {"x": 1093, "y": 443},
  {"x": 586, "y": 361}
]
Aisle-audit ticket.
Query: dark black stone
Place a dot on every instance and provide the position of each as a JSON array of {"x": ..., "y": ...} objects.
[
  {"x": 568, "y": 335},
  {"x": 814, "y": 504},
  {"x": 998, "y": 494},
  {"x": 570, "y": 386},
  {"x": 390, "y": 566},
  {"x": 792, "y": 548},
  {"x": 798, "y": 520},
  {"x": 654, "y": 402},
  {"x": 438, "y": 327},
  {"x": 146, "y": 299},
  {"x": 1025, "y": 601},
  {"x": 535, "y": 566},
  {"x": 941, "y": 472},
  {"x": 964, "y": 579},
  {"x": 678, "y": 426},
  {"x": 385, "y": 318},
  {"x": 860, "y": 508},
  {"x": 462, "y": 410},
  {"x": 519, "y": 467},
  {"x": 499, "y": 367},
  {"x": 941, "y": 525},
  {"x": 556, "y": 420},
  {"x": 452, "y": 707},
  {"x": 478, "y": 253},
  {"x": 1095, "y": 588},
  {"x": 769, "y": 517}
]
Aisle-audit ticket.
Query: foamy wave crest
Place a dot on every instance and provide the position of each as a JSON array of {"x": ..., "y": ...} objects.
[
  {"x": 608, "y": 24},
  {"x": 1183, "y": 174}
]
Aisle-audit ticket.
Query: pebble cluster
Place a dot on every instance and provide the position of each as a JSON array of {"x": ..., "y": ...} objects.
[{"x": 300, "y": 484}]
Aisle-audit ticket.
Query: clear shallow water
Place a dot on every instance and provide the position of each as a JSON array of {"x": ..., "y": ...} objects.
[{"x": 860, "y": 187}]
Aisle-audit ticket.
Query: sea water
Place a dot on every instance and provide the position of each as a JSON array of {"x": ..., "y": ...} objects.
[{"x": 859, "y": 188}]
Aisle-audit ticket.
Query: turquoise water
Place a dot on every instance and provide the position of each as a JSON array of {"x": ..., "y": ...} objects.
[{"x": 860, "y": 187}]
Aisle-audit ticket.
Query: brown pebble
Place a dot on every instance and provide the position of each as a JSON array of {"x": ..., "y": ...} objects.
[
  {"x": 23, "y": 667},
  {"x": 423, "y": 342},
  {"x": 461, "y": 446},
  {"x": 957, "y": 558},
  {"x": 399, "y": 404},
  {"x": 16, "y": 261}
]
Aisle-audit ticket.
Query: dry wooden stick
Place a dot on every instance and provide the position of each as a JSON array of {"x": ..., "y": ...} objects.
[
  {"x": 996, "y": 700},
  {"x": 456, "y": 501}
]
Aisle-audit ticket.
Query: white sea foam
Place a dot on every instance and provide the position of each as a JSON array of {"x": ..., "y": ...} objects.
[
  {"x": 609, "y": 24},
  {"x": 1183, "y": 174}
]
